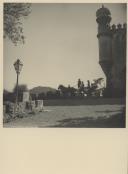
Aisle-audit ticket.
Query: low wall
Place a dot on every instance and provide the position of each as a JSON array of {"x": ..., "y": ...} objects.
[{"x": 85, "y": 101}]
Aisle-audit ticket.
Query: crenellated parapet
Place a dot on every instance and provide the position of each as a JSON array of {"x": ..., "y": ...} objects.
[
  {"x": 118, "y": 28},
  {"x": 118, "y": 43},
  {"x": 110, "y": 30}
]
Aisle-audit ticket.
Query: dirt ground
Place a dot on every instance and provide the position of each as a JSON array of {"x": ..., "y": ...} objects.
[{"x": 74, "y": 116}]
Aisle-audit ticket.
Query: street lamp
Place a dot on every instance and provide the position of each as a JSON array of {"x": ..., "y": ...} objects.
[{"x": 18, "y": 66}]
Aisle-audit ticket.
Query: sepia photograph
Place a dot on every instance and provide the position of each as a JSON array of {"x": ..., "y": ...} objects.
[{"x": 64, "y": 65}]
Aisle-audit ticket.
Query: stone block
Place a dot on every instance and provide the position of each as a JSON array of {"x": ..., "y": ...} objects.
[
  {"x": 26, "y": 96},
  {"x": 40, "y": 104}
]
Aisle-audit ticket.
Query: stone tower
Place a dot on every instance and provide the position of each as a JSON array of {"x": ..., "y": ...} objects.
[{"x": 112, "y": 53}]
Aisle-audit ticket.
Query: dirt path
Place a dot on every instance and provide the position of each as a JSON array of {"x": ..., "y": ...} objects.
[{"x": 61, "y": 116}]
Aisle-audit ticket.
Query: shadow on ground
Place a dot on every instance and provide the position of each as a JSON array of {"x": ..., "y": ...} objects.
[{"x": 114, "y": 121}]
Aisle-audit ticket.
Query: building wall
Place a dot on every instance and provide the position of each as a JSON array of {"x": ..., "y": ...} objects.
[
  {"x": 118, "y": 72},
  {"x": 112, "y": 54},
  {"x": 119, "y": 59}
]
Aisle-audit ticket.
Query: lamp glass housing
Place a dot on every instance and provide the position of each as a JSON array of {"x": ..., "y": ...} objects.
[{"x": 18, "y": 66}]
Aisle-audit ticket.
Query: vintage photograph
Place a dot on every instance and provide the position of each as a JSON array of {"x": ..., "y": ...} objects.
[{"x": 64, "y": 65}]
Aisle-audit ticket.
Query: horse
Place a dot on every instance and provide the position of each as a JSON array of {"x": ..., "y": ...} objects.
[{"x": 67, "y": 91}]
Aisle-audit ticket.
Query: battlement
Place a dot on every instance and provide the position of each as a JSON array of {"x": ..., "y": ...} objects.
[{"x": 118, "y": 28}]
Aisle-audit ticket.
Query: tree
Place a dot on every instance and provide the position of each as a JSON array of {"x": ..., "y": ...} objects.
[
  {"x": 5, "y": 92},
  {"x": 71, "y": 91},
  {"x": 50, "y": 95},
  {"x": 21, "y": 88},
  {"x": 98, "y": 81},
  {"x": 97, "y": 87},
  {"x": 79, "y": 83},
  {"x": 63, "y": 90},
  {"x": 41, "y": 96},
  {"x": 13, "y": 13}
]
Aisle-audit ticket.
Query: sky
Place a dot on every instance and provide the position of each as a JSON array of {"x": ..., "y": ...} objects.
[{"x": 61, "y": 45}]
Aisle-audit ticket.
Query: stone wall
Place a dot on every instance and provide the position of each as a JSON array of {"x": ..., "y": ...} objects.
[{"x": 11, "y": 110}]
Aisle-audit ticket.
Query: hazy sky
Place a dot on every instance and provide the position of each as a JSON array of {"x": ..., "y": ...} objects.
[{"x": 61, "y": 45}]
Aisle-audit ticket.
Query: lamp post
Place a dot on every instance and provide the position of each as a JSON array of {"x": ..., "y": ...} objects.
[{"x": 18, "y": 66}]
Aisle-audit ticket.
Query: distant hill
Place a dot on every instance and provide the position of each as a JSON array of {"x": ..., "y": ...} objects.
[{"x": 41, "y": 89}]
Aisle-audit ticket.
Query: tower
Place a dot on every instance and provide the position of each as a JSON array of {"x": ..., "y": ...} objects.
[
  {"x": 112, "y": 52},
  {"x": 105, "y": 42}
]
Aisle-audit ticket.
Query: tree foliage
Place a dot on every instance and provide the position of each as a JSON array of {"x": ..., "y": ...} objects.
[
  {"x": 21, "y": 88},
  {"x": 13, "y": 14}
]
